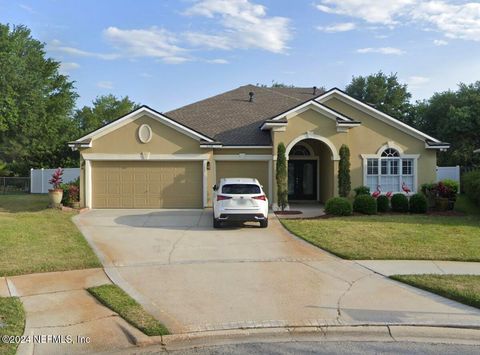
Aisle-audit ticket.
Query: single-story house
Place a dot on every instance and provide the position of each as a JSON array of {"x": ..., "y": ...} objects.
[{"x": 149, "y": 159}]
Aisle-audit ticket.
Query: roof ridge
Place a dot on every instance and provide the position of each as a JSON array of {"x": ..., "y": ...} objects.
[
  {"x": 278, "y": 93},
  {"x": 208, "y": 98}
]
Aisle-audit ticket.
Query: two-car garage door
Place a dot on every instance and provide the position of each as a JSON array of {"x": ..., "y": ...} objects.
[{"x": 147, "y": 184}]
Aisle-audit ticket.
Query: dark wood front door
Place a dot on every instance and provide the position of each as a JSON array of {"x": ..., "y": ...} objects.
[{"x": 302, "y": 179}]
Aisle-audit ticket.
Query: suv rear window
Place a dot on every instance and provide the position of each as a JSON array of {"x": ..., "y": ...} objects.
[{"x": 239, "y": 189}]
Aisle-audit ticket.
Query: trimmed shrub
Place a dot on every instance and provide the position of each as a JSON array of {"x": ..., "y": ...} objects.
[
  {"x": 361, "y": 190},
  {"x": 338, "y": 206},
  {"x": 399, "y": 203},
  {"x": 471, "y": 185},
  {"x": 365, "y": 204},
  {"x": 418, "y": 204},
  {"x": 344, "y": 182},
  {"x": 451, "y": 184},
  {"x": 383, "y": 203},
  {"x": 281, "y": 176}
]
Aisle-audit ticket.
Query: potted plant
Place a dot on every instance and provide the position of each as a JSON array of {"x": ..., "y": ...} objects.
[
  {"x": 74, "y": 196},
  {"x": 56, "y": 193},
  {"x": 444, "y": 197}
]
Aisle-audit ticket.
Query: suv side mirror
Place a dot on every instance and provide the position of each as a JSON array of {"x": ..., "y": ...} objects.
[{"x": 215, "y": 187}]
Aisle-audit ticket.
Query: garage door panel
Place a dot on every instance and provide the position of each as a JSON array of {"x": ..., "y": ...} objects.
[{"x": 147, "y": 184}]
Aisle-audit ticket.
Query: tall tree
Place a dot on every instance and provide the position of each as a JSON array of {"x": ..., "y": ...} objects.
[
  {"x": 454, "y": 117},
  {"x": 105, "y": 109},
  {"x": 36, "y": 103},
  {"x": 384, "y": 92}
]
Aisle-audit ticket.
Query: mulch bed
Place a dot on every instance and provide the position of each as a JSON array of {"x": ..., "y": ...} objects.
[{"x": 287, "y": 213}]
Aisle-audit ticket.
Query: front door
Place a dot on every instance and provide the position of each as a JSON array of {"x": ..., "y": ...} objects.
[{"x": 302, "y": 180}]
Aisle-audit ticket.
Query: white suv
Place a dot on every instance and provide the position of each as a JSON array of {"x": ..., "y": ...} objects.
[{"x": 239, "y": 199}]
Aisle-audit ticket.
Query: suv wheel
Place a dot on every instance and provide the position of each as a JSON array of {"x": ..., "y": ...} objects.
[
  {"x": 264, "y": 223},
  {"x": 216, "y": 223}
]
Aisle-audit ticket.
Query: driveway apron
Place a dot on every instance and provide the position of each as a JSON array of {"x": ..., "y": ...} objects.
[{"x": 194, "y": 278}]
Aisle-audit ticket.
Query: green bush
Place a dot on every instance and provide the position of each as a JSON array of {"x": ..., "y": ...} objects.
[
  {"x": 365, "y": 204},
  {"x": 418, "y": 203},
  {"x": 471, "y": 185},
  {"x": 281, "y": 177},
  {"x": 383, "y": 203},
  {"x": 361, "y": 190},
  {"x": 338, "y": 206},
  {"x": 452, "y": 184},
  {"x": 344, "y": 182},
  {"x": 399, "y": 203}
]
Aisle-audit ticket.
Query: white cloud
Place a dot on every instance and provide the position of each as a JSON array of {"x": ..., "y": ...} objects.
[
  {"x": 245, "y": 25},
  {"x": 337, "y": 27},
  {"x": 58, "y": 46},
  {"x": 208, "y": 41},
  {"x": 145, "y": 75},
  {"x": 217, "y": 61},
  {"x": 455, "y": 19},
  {"x": 372, "y": 11},
  {"x": 381, "y": 50},
  {"x": 27, "y": 8},
  {"x": 440, "y": 42},
  {"x": 153, "y": 42},
  {"x": 105, "y": 84},
  {"x": 416, "y": 81},
  {"x": 67, "y": 67}
]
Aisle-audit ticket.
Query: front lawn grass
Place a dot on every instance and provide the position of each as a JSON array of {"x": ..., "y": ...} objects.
[
  {"x": 34, "y": 238},
  {"x": 402, "y": 237},
  {"x": 119, "y": 301},
  {"x": 461, "y": 288},
  {"x": 12, "y": 322}
]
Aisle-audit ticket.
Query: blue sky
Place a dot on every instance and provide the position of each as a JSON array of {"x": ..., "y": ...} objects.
[{"x": 167, "y": 53}]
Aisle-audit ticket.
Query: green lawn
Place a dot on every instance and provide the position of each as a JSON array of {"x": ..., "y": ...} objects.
[
  {"x": 12, "y": 316},
  {"x": 119, "y": 301},
  {"x": 37, "y": 239},
  {"x": 420, "y": 237},
  {"x": 461, "y": 288}
]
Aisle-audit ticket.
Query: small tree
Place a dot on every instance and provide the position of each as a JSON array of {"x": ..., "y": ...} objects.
[
  {"x": 344, "y": 182},
  {"x": 281, "y": 176}
]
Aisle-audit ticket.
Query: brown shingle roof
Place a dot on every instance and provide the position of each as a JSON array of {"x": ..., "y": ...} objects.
[{"x": 232, "y": 119}]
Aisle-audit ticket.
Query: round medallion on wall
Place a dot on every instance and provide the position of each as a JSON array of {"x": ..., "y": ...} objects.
[{"x": 144, "y": 133}]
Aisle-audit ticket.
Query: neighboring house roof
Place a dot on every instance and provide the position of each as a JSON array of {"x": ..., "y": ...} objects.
[{"x": 232, "y": 119}]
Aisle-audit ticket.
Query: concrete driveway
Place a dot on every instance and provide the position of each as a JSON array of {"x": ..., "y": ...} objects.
[{"x": 195, "y": 278}]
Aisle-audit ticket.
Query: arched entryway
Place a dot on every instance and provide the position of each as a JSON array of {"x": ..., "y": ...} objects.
[{"x": 311, "y": 169}]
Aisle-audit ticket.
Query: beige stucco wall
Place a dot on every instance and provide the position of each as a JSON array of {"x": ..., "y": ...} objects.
[
  {"x": 368, "y": 138},
  {"x": 165, "y": 140},
  {"x": 231, "y": 151}
]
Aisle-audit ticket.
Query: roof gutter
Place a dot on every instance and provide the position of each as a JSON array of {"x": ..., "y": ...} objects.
[{"x": 442, "y": 146}]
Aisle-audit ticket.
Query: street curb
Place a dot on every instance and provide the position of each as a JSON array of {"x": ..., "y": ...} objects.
[{"x": 378, "y": 333}]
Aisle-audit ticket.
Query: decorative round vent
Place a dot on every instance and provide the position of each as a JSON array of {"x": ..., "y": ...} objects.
[{"x": 145, "y": 133}]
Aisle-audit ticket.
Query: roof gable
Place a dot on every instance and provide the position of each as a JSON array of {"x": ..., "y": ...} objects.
[
  {"x": 140, "y": 112},
  {"x": 349, "y": 100}
]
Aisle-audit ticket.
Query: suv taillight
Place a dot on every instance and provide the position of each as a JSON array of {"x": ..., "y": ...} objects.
[
  {"x": 261, "y": 197},
  {"x": 221, "y": 197}
]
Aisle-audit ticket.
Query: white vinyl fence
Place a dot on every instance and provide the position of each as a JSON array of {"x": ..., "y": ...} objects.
[
  {"x": 448, "y": 172},
  {"x": 39, "y": 178}
]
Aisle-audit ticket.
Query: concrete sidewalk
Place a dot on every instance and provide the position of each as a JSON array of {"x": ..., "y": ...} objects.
[
  {"x": 57, "y": 304},
  {"x": 417, "y": 267}
]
